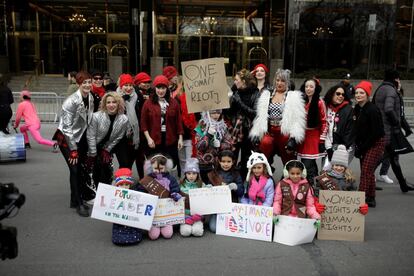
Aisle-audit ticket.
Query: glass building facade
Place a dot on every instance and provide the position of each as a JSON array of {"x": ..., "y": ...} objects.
[{"x": 311, "y": 37}]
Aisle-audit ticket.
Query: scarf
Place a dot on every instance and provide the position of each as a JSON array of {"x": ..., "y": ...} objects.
[
  {"x": 335, "y": 108},
  {"x": 219, "y": 125},
  {"x": 100, "y": 91},
  {"x": 256, "y": 192},
  {"x": 163, "y": 180},
  {"x": 335, "y": 174},
  {"x": 130, "y": 103}
]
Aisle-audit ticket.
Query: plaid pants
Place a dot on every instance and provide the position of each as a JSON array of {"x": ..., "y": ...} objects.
[{"x": 368, "y": 163}]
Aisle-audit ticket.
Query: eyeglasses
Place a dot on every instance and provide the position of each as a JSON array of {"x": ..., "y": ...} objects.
[
  {"x": 340, "y": 94},
  {"x": 97, "y": 78}
]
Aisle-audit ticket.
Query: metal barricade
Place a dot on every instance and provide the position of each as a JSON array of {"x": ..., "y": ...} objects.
[
  {"x": 48, "y": 105},
  {"x": 409, "y": 110}
]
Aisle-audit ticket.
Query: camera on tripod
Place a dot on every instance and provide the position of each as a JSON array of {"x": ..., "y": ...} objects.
[{"x": 10, "y": 198}]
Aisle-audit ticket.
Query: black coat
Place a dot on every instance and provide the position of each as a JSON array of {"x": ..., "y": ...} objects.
[
  {"x": 342, "y": 132},
  {"x": 243, "y": 103},
  {"x": 368, "y": 127}
]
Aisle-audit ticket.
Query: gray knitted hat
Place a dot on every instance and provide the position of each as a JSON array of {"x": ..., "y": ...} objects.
[
  {"x": 191, "y": 165},
  {"x": 340, "y": 156}
]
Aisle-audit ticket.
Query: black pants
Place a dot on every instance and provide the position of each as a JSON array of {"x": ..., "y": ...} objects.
[
  {"x": 76, "y": 172},
  {"x": 127, "y": 154},
  {"x": 102, "y": 172},
  {"x": 246, "y": 148},
  {"x": 311, "y": 169},
  {"x": 5, "y": 115},
  {"x": 395, "y": 164}
]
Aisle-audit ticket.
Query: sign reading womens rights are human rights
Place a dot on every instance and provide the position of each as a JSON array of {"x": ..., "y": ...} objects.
[
  {"x": 342, "y": 219},
  {"x": 124, "y": 206},
  {"x": 205, "y": 84},
  {"x": 246, "y": 221}
]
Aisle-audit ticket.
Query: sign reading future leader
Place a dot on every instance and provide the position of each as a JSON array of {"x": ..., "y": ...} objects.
[{"x": 205, "y": 84}]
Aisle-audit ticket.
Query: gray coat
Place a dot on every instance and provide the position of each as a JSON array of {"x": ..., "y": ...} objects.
[
  {"x": 388, "y": 102},
  {"x": 98, "y": 128},
  {"x": 75, "y": 118}
]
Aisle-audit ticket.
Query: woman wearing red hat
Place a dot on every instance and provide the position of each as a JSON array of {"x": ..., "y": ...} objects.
[
  {"x": 127, "y": 149},
  {"x": 260, "y": 72},
  {"x": 27, "y": 111},
  {"x": 161, "y": 121},
  {"x": 142, "y": 82},
  {"x": 369, "y": 139}
]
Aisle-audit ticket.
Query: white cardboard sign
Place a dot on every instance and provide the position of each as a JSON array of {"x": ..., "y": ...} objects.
[
  {"x": 294, "y": 231},
  {"x": 169, "y": 212},
  {"x": 214, "y": 200},
  {"x": 124, "y": 206},
  {"x": 246, "y": 221}
]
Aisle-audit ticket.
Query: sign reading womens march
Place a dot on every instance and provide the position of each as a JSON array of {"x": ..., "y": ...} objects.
[
  {"x": 214, "y": 200},
  {"x": 342, "y": 219},
  {"x": 205, "y": 84},
  {"x": 294, "y": 231},
  {"x": 124, "y": 206},
  {"x": 169, "y": 212},
  {"x": 246, "y": 221}
]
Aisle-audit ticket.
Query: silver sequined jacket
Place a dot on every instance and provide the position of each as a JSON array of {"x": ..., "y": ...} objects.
[
  {"x": 98, "y": 128},
  {"x": 75, "y": 118}
]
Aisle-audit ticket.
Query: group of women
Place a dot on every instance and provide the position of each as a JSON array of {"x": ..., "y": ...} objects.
[{"x": 139, "y": 119}]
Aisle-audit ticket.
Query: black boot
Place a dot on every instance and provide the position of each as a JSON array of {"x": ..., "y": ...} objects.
[
  {"x": 370, "y": 201},
  {"x": 27, "y": 146},
  {"x": 82, "y": 211},
  {"x": 406, "y": 188}
]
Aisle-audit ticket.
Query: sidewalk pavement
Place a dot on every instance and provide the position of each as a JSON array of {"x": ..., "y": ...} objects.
[{"x": 54, "y": 240}]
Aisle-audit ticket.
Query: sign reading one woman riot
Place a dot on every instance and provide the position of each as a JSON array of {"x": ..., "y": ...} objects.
[
  {"x": 205, "y": 84},
  {"x": 342, "y": 219},
  {"x": 124, "y": 206},
  {"x": 246, "y": 221}
]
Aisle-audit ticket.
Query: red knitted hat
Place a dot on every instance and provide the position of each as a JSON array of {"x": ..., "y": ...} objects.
[
  {"x": 160, "y": 80},
  {"x": 263, "y": 66},
  {"x": 366, "y": 86},
  {"x": 142, "y": 77},
  {"x": 125, "y": 79},
  {"x": 81, "y": 76},
  {"x": 123, "y": 176},
  {"x": 169, "y": 72}
]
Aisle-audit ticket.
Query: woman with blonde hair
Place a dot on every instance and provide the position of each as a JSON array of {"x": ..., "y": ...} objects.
[{"x": 106, "y": 129}]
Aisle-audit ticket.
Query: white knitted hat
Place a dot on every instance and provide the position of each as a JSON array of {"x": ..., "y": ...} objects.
[{"x": 257, "y": 158}]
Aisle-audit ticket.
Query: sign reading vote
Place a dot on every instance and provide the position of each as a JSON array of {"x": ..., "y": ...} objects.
[
  {"x": 246, "y": 221},
  {"x": 169, "y": 212},
  {"x": 214, "y": 200},
  {"x": 294, "y": 231},
  {"x": 205, "y": 84},
  {"x": 342, "y": 219},
  {"x": 124, "y": 206}
]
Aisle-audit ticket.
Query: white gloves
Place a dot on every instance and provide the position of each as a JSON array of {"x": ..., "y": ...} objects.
[{"x": 233, "y": 186}]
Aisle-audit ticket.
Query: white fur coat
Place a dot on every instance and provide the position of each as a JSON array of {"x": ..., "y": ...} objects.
[{"x": 293, "y": 123}]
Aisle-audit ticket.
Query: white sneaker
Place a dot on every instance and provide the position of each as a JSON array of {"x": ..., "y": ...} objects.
[
  {"x": 90, "y": 202},
  {"x": 386, "y": 179}
]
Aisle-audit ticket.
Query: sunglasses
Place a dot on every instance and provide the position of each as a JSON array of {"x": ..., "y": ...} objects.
[
  {"x": 340, "y": 94},
  {"x": 97, "y": 78}
]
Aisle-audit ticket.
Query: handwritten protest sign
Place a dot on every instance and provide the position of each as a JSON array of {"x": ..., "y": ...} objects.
[
  {"x": 341, "y": 219},
  {"x": 205, "y": 84},
  {"x": 214, "y": 200},
  {"x": 246, "y": 221},
  {"x": 294, "y": 231},
  {"x": 169, "y": 212},
  {"x": 124, "y": 206}
]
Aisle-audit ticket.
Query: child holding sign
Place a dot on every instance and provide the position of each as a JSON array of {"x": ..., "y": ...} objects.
[
  {"x": 339, "y": 178},
  {"x": 225, "y": 173},
  {"x": 193, "y": 223},
  {"x": 212, "y": 136},
  {"x": 260, "y": 186},
  {"x": 158, "y": 167},
  {"x": 121, "y": 234},
  {"x": 294, "y": 195}
]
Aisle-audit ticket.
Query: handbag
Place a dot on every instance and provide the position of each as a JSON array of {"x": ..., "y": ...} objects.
[{"x": 400, "y": 144}]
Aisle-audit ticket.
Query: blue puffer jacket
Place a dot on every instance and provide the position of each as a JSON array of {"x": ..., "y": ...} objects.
[{"x": 230, "y": 177}]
